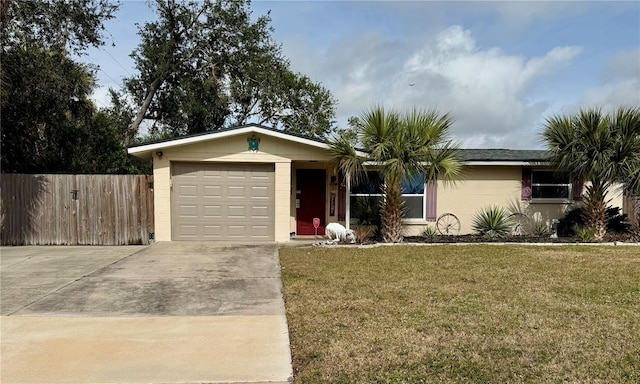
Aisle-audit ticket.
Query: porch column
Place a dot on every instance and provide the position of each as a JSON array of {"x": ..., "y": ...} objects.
[
  {"x": 283, "y": 200},
  {"x": 347, "y": 216},
  {"x": 162, "y": 198}
]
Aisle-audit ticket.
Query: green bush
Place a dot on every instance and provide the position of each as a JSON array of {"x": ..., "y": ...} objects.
[
  {"x": 492, "y": 222},
  {"x": 584, "y": 233},
  {"x": 429, "y": 233},
  {"x": 364, "y": 233},
  {"x": 616, "y": 222},
  {"x": 539, "y": 228}
]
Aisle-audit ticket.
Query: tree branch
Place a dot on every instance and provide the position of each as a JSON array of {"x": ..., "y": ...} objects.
[{"x": 132, "y": 131}]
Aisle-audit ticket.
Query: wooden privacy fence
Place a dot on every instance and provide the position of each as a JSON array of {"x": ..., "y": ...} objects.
[
  {"x": 631, "y": 206},
  {"x": 76, "y": 209}
]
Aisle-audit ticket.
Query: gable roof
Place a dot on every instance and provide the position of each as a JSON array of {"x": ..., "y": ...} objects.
[
  {"x": 470, "y": 156},
  {"x": 145, "y": 150}
]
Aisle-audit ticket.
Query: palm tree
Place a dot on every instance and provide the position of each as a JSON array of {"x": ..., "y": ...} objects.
[
  {"x": 400, "y": 146},
  {"x": 601, "y": 149}
]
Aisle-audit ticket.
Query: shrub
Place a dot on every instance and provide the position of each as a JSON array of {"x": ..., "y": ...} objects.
[
  {"x": 492, "y": 222},
  {"x": 429, "y": 233},
  {"x": 539, "y": 228},
  {"x": 364, "y": 233},
  {"x": 584, "y": 233},
  {"x": 616, "y": 222}
]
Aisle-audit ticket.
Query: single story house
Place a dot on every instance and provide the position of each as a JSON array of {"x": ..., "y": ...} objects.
[{"x": 254, "y": 183}]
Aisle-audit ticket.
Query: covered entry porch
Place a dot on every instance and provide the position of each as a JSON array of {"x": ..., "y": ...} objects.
[{"x": 318, "y": 192}]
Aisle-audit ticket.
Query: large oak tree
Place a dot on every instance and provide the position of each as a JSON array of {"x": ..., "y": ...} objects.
[
  {"x": 203, "y": 65},
  {"x": 48, "y": 122}
]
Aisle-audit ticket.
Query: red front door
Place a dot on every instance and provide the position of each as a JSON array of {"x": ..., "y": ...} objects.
[{"x": 310, "y": 200}]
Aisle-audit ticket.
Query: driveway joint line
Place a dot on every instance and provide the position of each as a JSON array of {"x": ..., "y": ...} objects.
[
  {"x": 20, "y": 262},
  {"x": 74, "y": 281}
]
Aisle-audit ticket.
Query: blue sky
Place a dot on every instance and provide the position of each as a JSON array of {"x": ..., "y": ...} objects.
[{"x": 500, "y": 68}]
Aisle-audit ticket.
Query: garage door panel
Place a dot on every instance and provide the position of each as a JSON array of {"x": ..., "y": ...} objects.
[
  {"x": 259, "y": 192},
  {"x": 188, "y": 210},
  {"x": 259, "y": 212},
  {"x": 189, "y": 231},
  {"x": 237, "y": 212},
  {"x": 260, "y": 231},
  {"x": 238, "y": 173},
  {"x": 223, "y": 202},
  {"x": 212, "y": 191},
  {"x": 212, "y": 211},
  {"x": 259, "y": 177},
  {"x": 237, "y": 230},
  {"x": 188, "y": 190},
  {"x": 186, "y": 170},
  {"x": 236, "y": 192},
  {"x": 212, "y": 174},
  {"x": 212, "y": 231}
]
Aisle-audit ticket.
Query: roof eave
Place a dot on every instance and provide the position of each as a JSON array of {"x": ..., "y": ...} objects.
[
  {"x": 145, "y": 151},
  {"x": 507, "y": 163}
]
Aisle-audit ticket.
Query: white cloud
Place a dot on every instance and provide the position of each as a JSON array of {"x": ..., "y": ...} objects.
[
  {"x": 485, "y": 89},
  {"x": 612, "y": 95},
  {"x": 625, "y": 64},
  {"x": 620, "y": 85}
]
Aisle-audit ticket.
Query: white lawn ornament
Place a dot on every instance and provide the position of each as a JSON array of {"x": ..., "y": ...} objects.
[{"x": 336, "y": 232}]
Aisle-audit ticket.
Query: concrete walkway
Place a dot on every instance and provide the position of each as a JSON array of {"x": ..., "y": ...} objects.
[{"x": 169, "y": 313}]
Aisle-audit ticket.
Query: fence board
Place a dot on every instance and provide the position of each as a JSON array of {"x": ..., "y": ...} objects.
[
  {"x": 109, "y": 209},
  {"x": 631, "y": 206}
]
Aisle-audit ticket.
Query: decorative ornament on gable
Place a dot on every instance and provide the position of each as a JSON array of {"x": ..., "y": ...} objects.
[{"x": 254, "y": 143}]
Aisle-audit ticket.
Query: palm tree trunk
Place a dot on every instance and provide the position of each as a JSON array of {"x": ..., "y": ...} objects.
[
  {"x": 596, "y": 208},
  {"x": 392, "y": 212}
]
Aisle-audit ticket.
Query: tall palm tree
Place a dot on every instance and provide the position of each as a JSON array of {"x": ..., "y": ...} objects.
[
  {"x": 601, "y": 149},
  {"x": 400, "y": 146}
]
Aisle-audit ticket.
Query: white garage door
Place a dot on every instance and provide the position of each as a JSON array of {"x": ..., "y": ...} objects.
[{"x": 224, "y": 202}]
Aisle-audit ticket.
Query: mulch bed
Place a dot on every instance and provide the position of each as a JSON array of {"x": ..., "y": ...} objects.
[{"x": 609, "y": 238}]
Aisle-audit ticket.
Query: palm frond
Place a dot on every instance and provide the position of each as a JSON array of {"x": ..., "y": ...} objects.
[
  {"x": 401, "y": 146},
  {"x": 347, "y": 160},
  {"x": 599, "y": 148},
  {"x": 444, "y": 164},
  {"x": 377, "y": 129}
]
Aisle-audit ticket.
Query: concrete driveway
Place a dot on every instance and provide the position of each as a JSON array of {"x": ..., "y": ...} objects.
[{"x": 170, "y": 313}]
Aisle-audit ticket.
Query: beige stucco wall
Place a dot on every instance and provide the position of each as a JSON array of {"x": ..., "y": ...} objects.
[
  {"x": 234, "y": 149},
  {"x": 484, "y": 186},
  {"x": 481, "y": 187}
]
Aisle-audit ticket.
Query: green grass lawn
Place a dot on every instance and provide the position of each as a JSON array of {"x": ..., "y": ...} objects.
[{"x": 463, "y": 314}]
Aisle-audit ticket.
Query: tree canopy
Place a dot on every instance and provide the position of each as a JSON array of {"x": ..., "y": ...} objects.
[
  {"x": 59, "y": 25},
  {"x": 49, "y": 124},
  {"x": 203, "y": 65},
  {"x": 602, "y": 149}
]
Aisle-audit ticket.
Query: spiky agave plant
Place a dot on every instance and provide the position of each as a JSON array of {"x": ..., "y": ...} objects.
[{"x": 492, "y": 222}]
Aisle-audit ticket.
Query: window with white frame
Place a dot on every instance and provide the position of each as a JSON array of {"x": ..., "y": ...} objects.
[
  {"x": 366, "y": 196},
  {"x": 547, "y": 184},
  {"x": 414, "y": 197}
]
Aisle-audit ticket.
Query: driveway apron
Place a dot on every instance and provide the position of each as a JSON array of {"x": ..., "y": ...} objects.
[{"x": 174, "y": 312}]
